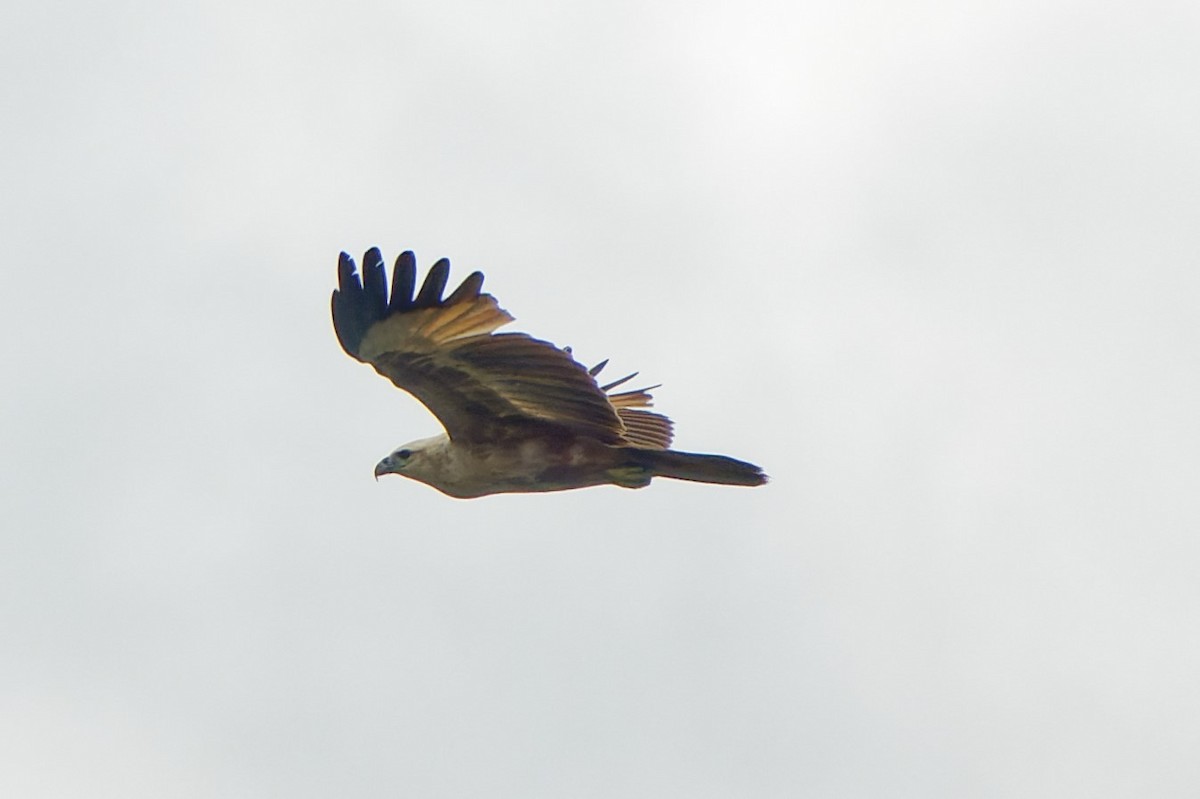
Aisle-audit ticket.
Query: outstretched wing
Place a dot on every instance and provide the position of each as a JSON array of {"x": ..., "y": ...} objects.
[{"x": 445, "y": 352}]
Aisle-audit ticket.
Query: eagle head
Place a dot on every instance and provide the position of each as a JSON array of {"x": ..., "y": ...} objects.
[{"x": 409, "y": 459}]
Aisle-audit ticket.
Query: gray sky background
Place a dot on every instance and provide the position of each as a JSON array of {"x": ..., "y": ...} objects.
[{"x": 933, "y": 266}]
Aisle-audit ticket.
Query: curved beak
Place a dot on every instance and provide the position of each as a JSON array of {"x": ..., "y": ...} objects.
[{"x": 383, "y": 467}]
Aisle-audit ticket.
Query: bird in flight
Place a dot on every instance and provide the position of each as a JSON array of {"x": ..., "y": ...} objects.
[{"x": 521, "y": 415}]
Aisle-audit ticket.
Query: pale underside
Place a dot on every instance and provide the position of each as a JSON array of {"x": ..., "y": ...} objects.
[{"x": 531, "y": 465}]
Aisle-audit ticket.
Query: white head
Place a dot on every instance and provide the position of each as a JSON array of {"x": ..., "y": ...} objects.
[{"x": 412, "y": 460}]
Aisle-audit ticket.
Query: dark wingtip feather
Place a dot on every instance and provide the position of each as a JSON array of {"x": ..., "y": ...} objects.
[
  {"x": 347, "y": 277},
  {"x": 404, "y": 280},
  {"x": 467, "y": 290},
  {"x": 595, "y": 370},
  {"x": 374, "y": 277},
  {"x": 353, "y": 306},
  {"x": 335, "y": 310},
  {"x": 431, "y": 290},
  {"x": 361, "y": 299}
]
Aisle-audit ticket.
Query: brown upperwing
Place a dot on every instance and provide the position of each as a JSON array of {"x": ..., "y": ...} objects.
[{"x": 447, "y": 355}]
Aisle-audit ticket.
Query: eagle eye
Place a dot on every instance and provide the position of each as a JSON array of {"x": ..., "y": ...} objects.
[{"x": 404, "y": 454}]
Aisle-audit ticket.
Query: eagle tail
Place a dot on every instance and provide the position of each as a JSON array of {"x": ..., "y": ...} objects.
[{"x": 701, "y": 468}]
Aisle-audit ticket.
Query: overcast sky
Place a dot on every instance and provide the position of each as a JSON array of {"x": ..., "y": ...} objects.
[{"x": 934, "y": 267}]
